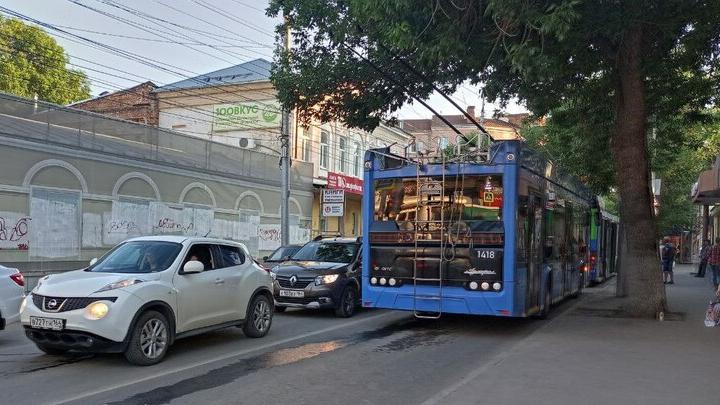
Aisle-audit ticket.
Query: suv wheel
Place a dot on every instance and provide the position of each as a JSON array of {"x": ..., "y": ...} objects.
[
  {"x": 259, "y": 317},
  {"x": 346, "y": 307},
  {"x": 51, "y": 350},
  {"x": 149, "y": 340}
]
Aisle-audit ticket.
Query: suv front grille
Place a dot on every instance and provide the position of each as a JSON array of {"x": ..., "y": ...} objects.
[
  {"x": 63, "y": 304},
  {"x": 284, "y": 282}
]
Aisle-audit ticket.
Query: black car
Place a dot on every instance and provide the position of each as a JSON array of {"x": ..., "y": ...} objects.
[
  {"x": 325, "y": 273},
  {"x": 281, "y": 254}
]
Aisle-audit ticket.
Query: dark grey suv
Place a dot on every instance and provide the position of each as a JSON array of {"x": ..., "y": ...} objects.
[{"x": 325, "y": 273}]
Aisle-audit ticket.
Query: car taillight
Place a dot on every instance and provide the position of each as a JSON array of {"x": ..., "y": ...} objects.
[
  {"x": 18, "y": 279},
  {"x": 592, "y": 259}
]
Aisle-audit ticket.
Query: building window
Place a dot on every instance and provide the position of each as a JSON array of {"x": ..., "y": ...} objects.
[
  {"x": 357, "y": 162},
  {"x": 324, "y": 149},
  {"x": 413, "y": 147},
  {"x": 306, "y": 144},
  {"x": 443, "y": 143},
  {"x": 342, "y": 146}
]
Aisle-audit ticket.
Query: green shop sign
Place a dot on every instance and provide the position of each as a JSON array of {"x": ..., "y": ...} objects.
[{"x": 246, "y": 115}]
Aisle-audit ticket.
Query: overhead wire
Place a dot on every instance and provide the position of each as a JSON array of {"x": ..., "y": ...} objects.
[{"x": 117, "y": 51}]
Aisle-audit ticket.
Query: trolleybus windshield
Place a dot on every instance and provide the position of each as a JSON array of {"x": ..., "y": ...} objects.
[{"x": 468, "y": 198}]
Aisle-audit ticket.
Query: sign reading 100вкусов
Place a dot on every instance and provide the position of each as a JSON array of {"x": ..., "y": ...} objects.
[{"x": 247, "y": 115}]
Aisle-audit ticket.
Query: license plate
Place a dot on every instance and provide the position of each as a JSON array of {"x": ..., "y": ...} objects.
[
  {"x": 292, "y": 293},
  {"x": 47, "y": 323}
]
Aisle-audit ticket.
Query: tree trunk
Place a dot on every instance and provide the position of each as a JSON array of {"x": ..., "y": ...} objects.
[
  {"x": 620, "y": 285},
  {"x": 640, "y": 265}
]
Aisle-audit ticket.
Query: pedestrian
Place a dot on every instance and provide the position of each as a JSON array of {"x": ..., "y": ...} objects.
[
  {"x": 714, "y": 262},
  {"x": 704, "y": 256},
  {"x": 667, "y": 257}
]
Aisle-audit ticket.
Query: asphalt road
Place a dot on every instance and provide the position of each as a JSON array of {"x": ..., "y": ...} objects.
[{"x": 376, "y": 357}]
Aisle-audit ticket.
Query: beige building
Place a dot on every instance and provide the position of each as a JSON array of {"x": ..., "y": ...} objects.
[
  {"x": 238, "y": 106},
  {"x": 433, "y": 132}
]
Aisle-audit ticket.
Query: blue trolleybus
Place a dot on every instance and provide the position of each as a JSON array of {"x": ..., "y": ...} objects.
[
  {"x": 501, "y": 232},
  {"x": 603, "y": 245}
]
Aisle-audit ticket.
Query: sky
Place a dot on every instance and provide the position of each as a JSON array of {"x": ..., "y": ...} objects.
[{"x": 231, "y": 32}]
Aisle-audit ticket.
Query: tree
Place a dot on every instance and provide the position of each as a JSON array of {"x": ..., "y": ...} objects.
[
  {"x": 680, "y": 151},
  {"x": 639, "y": 58},
  {"x": 31, "y": 63}
]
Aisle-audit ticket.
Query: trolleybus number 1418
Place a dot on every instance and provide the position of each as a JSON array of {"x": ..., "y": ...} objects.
[{"x": 486, "y": 254}]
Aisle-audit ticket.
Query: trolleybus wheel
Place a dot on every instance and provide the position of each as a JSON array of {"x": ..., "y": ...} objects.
[
  {"x": 546, "y": 305},
  {"x": 581, "y": 283}
]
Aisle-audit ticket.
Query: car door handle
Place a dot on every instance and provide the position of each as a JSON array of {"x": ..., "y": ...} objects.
[{"x": 219, "y": 281}]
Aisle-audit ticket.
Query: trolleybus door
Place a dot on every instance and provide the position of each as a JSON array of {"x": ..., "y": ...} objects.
[{"x": 535, "y": 247}]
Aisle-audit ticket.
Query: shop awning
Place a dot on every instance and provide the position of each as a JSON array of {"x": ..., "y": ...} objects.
[{"x": 707, "y": 188}]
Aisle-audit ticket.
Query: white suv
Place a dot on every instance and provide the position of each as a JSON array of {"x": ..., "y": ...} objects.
[{"x": 147, "y": 292}]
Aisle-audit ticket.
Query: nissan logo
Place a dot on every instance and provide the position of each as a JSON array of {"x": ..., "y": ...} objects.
[
  {"x": 52, "y": 303},
  {"x": 293, "y": 280}
]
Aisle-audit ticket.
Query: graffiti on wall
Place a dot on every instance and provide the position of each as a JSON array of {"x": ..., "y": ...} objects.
[
  {"x": 60, "y": 234},
  {"x": 14, "y": 230}
]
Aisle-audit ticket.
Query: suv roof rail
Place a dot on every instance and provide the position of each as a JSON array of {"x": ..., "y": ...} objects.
[{"x": 327, "y": 235}]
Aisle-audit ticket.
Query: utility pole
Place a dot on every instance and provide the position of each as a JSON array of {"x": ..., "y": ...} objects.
[{"x": 285, "y": 159}]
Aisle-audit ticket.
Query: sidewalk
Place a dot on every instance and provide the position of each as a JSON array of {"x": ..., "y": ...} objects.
[{"x": 588, "y": 355}]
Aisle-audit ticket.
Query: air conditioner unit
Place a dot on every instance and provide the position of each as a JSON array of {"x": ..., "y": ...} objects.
[{"x": 247, "y": 143}]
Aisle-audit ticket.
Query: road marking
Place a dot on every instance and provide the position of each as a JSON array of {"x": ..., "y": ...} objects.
[
  {"x": 221, "y": 358},
  {"x": 440, "y": 397}
]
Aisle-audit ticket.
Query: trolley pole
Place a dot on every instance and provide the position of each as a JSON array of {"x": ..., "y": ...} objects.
[{"x": 285, "y": 159}]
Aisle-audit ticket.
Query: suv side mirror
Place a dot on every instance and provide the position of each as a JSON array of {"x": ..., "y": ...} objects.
[
  {"x": 193, "y": 266},
  {"x": 265, "y": 258}
]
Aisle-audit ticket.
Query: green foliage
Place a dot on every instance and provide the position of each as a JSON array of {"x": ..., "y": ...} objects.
[
  {"x": 680, "y": 151},
  {"x": 545, "y": 53},
  {"x": 577, "y": 139},
  {"x": 31, "y": 62}
]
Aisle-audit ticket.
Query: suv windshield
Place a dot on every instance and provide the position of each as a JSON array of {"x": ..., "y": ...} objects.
[
  {"x": 138, "y": 257},
  {"x": 282, "y": 253},
  {"x": 327, "y": 252}
]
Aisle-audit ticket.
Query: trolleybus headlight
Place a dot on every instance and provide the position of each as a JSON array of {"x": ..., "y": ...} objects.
[
  {"x": 473, "y": 285},
  {"x": 392, "y": 282},
  {"x": 497, "y": 286},
  {"x": 373, "y": 280},
  {"x": 383, "y": 281},
  {"x": 485, "y": 285}
]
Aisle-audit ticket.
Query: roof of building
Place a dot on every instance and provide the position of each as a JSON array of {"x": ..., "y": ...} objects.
[
  {"x": 253, "y": 71},
  {"x": 426, "y": 124},
  {"x": 108, "y": 94}
]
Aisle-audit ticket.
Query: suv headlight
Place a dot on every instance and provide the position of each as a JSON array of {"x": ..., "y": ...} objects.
[
  {"x": 326, "y": 279},
  {"x": 273, "y": 275},
  {"x": 120, "y": 284},
  {"x": 96, "y": 310}
]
